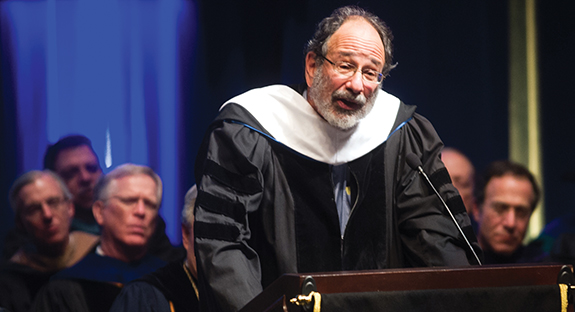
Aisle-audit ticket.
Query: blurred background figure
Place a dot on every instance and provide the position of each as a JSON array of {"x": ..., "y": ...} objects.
[
  {"x": 558, "y": 236},
  {"x": 43, "y": 211},
  {"x": 506, "y": 195},
  {"x": 75, "y": 161},
  {"x": 462, "y": 174},
  {"x": 126, "y": 208},
  {"x": 171, "y": 286}
]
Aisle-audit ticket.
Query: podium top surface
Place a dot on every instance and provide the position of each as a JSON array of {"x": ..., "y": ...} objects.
[{"x": 290, "y": 285}]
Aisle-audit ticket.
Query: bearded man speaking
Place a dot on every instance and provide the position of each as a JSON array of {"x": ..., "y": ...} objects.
[{"x": 314, "y": 178}]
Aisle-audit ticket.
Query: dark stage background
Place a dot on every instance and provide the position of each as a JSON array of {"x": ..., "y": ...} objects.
[{"x": 453, "y": 64}]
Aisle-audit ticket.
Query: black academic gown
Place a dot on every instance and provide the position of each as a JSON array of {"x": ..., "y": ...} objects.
[
  {"x": 19, "y": 285},
  {"x": 92, "y": 284},
  {"x": 265, "y": 207},
  {"x": 168, "y": 287}
]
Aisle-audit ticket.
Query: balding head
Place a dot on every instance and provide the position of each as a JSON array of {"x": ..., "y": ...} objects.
[{"x": 462, "y": 174}]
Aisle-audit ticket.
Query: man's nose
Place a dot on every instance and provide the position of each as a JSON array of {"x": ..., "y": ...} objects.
[
  {"x": 510, "y": 218},
  {"x": 85, "y": 175},
  {"x": 46, "y": 212},
  {"x": 355, "y": 82},
  {"x": 140, "y": 209}
]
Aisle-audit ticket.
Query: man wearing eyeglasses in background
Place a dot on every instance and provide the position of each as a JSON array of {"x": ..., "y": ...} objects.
[
  {"x": 314, "y": 178},
  {"x": 43, "y": 211},
  {"x": 127, "y": 201},
  {"x": 73, "y": 159}
]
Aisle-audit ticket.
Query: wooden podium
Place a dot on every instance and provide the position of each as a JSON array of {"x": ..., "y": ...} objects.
[{"x": 419, "y": 281}]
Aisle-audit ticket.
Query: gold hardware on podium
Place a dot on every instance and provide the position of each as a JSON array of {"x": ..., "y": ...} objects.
[
  {"x": 301, "y": 300},
  {"x": 311, "y": 302}
]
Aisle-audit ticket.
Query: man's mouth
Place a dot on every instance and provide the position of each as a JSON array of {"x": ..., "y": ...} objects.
[
  {"x": 86, "y": 191},
  {"x": 137, "y": 229},
  {"x": 348, "y": 105},
  {"x": 51, "y": 230},
  {"x": 505, "y": 239}
]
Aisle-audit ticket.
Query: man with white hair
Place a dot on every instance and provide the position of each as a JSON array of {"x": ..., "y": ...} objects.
[
  {"x": 173, "y": 287},
  {"x": 126, "y": 207}
]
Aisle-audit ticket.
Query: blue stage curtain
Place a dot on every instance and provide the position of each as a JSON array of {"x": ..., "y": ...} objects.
[{"x": 106, "y": 69}]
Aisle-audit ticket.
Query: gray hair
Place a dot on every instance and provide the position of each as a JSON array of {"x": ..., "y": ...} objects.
[
  {"x": 29, "y": 178},
  {"x": 101, "y": 191},
  {"x": 189, "y": 203},
  {"x": 329, "y": 25}
]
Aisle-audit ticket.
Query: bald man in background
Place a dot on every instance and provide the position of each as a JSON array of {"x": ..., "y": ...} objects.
[{"x": 462, "y": 173}]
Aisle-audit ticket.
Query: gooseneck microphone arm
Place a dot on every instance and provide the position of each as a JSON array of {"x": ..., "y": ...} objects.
[{"x": 415, "y": 163}]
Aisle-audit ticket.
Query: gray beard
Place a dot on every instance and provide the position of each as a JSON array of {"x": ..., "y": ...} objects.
[{"x": 326, "y": 106}]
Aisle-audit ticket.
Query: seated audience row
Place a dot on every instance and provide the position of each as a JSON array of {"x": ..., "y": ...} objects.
[
  {"x": 74, "y": 159},
  {"x": 126, "y": 207},
  {"x": 57, "y": 234}
]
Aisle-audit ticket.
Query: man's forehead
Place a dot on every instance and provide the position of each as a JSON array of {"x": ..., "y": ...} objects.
[
  {"x": 510, "y": 186},
  {"x": 133, "y": 185},
  {"x": 75, "y": 156},
  {"x": 358, "y": 36},
  {"x": 41, "y": 188}
]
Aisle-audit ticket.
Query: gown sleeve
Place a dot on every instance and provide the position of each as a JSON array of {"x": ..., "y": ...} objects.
[
  {"x": 428, "y": 233},
  {"x": 229, "y": 171}
]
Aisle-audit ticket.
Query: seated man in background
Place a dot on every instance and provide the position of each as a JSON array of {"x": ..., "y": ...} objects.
[
  {"x": 43, "y": 210},
  {"x": 126, "y": 208},
  {"x": 462, "y": 175},
  {"x": 173, "y": 287},
  {"x": 74, "y": 159},
  {"x": 506, "y": 194}
]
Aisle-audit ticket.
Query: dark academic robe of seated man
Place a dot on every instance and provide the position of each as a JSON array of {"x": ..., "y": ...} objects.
[
  {"x": 92, "y": 284},
  {"x": 27, "y": 271},
  {"x": 171, "y": 288}
]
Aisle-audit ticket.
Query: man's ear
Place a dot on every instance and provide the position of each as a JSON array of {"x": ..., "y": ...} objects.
[
  {"x": 71, "y": 210},
  {"x": 475, "y": 212},
  {"x": 185, "y": 236},
  {"x": 310, "y": 68},
  {"x": 97, "y": 211}
]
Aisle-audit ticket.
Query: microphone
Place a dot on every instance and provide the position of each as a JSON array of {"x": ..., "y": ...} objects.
[{"x": 415, "y": 163}]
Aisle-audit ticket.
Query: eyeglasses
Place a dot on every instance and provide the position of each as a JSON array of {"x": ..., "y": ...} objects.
[
  {"x": 54, "y": 203},
  {"x": 348, "y": 70}
]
